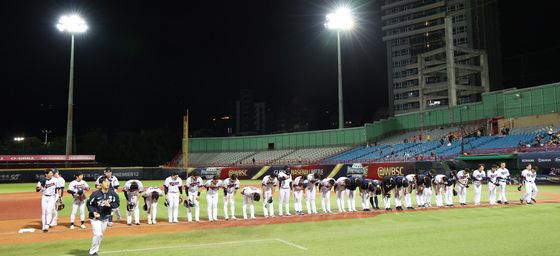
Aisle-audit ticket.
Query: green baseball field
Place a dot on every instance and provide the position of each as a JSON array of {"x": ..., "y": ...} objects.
[{"x": 498, "y": 230}]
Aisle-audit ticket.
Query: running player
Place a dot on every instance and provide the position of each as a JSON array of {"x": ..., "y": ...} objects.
[
  {"x": 100, "y": 206},
  {"x": 478, "y": 176},
  {"x": 231, "y": 185},
  {"x": 312, "y": 182},
  {"x": 503, "y": 176},
  {"x": 340, "y": 187},
  {"x": 173, "y": 189},
  {"x": 151, "y": 197},
  {"x": 132, "y": 191},
  {"x": 268, "y": 184},
  {"x": 298, "y": 187},
  {"x": 250, "y": 194},
  {"x": 47, "y": 186},
  {"x": 77, "y": 189},
  {"x": 325, "y": 187},
  {"x": 212, "y": 187},
  {"x": 284, "y": 191},
  {"x": 192, "y": 188},
  {"x": 114, "y": 184}
]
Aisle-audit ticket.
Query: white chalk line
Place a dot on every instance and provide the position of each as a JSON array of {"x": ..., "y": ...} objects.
[{"x": 291, "y": 244}]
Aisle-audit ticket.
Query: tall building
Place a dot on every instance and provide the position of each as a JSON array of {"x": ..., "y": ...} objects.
[
  {"x": 415, "y": 27},
  {"x": 250, "y": 115}
]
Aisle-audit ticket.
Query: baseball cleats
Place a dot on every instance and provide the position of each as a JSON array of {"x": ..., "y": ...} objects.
[
  {"x": 533, "y": 200},
  {"x": 288, "y": 214},
  {"x": 137, "y": 224},
  {"x": 499, "y": 201},
  {"x": 83, "y": 226},
  {"x": 46, "y": 228},
  {"x": 233, "y": 218},
  {"x": 506, "y": 202},
  {"x": 521, "y": 201},
  {"x": 110, "y": 224},
  {"x": 72, "y": 227}
]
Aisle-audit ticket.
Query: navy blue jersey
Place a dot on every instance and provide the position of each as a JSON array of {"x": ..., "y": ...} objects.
[
  {"x": 400, "y": 180},
  {"x": 365, "y": 183},
  {"x": 420, "y": 180},
  {"x": 353, "y": 183},
  {"x": 96, "y": 203},
  {"x": 376, "y": 183},
  {"x": 451, "y": 178},
  {"x": 388, "y": 183}
]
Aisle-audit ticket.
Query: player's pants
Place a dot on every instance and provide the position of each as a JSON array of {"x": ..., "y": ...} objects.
[
  {"x": 284, "y": 198},
  {"x": 173, "y": 207},
  {"x": 386, "y": 201},
  {"x": 364, "y": 194},
  {"x": 492, "y": 193},
  {"x": 47, "y": 208},
  {"x": 428, "y": 196},
  {"x": 449, "y": 195},
  {"x": 502, "y": 187},
  {"x": 298, "y": 196},
  {"x": 152, "y": 210},
  {"x": 462, "y": 193},
  {"x": 408, "y": 196},
  {"x": 193, "y": 196},
  {"x": 326, "y": 200},
  {"x": 135, "y": 210},
  {"x": 54, "y": 220},
  {"x": 340, "y": 200},
  {"x": 212, "y": 201},
  {"x": 268, "y": 209},
  {"x": 98, "y": 227},
  {"x": 530, "y": 191},
  {"x": 399, "y": 195},
  {"x": 351, "y": 199},
  {"x": 229, "y": 199},
  {"x": 310, "y": 200},
  {"x": 477, "y": 192},
  {"x": 420, "y": 199},
  {"x": 248, "y": 200},
  {"x": 118, "y": 213},
  {"x": 438, "y": 190},
  {"x": 77, "y": 204}
]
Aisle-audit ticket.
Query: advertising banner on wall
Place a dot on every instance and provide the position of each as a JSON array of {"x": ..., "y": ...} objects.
[{"x": 380, "y": 170}]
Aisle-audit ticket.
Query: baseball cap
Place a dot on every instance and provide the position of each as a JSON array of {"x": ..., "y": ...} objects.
[
  {"x": 108, "y": 169},
  {"x": 54, "y": 170}
]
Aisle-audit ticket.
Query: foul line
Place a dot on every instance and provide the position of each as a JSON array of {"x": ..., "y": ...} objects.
[
  {"x": 291, "y": 244},
  {"x": 190, "y": 245}
]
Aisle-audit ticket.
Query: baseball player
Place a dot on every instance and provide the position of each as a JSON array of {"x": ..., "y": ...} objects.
[
  {"x": 503, "y": 176},
  {"x": 351, "y": 192},
  {"x": 340, "y": 191},
  {"x": 420, "y": 186},
  {"x": 47, "y": 186},
  {"x": 114, "y": 184},
  {"x": 298, "y": 187},
  {"x": 250, "y": 194},
  {"x": 231, "y": 185},
  {"x": 387, "y": 185},
  {"x": 100, "y": 206},
  {"x": 366, "y": 190},
  {"x": 192, "y": 188},
  {"x": 132, "y": 190},
  {"x": 312, "y": 182},
  {"x": 450, "y": 191},
  {"x": 439, "y": 183},
  {"x": 151, "y": 197},
  {"x": 478, "y": 175},
  {"x": 325, "y": 187},
  {"x": 529, "y": 175},
  {"x": 428, "y": 178},
  {"x": 411, "y": 178},
  {"x": 173, "y": 189},
  {"x": 373, "y": 200},
  {"x": 60, "y": 183},
  {"x": 77, "y": 189},
  {"x": 268, "y": 184},
  {"x": 492, "y": 176},
  {"x": 400, "y": 190},
  {"x": 285, "y": 181},
  {"x": 213, "y": 186},
  {"x": 463, "y": 177}
]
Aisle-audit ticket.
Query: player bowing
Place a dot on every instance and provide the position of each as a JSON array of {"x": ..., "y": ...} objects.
[
  {"x": 173, "y": 188},
  {"x": 213, "y": 186},
  {"x": 192, "y": 188},
  {"x": 132, "y": 191}
]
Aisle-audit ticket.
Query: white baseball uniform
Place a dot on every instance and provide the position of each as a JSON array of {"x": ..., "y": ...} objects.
[
  {"x": 438, "y": 188},
  {"x": 173, "y": 197},
  {"x": 247, "y": 194},
  {"x": 268, "y": 184},
  {"x": 408, "y": 194},
  {"x": 311, "y": 193},
  {"x": 192, "y": 187},
  {"x": 530, "y": 186},
  {"x": 133, "y": 197},
  {"x": 152, "y": 203},
  {"x": 78, "y": 201},
  {"x": 212, "y": 198},
  {"x": 60, "y": 184},
  {"x": 230, "y": 187},
  {"x": 503, "y": 175},
  {"x": 325, "y": 190},
  {"x": 492, "y": 184},
  {"x": 462, "y": 179},
  {"x": 478, "y": 176},
  {"x": 298, "y": 194},
  {"x": 284, "y": 191},
  {"x": 48, "y": 200},
  {"x": 340, "y": 192}
]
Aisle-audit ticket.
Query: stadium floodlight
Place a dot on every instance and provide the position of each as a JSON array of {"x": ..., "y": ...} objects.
[
  {"x": 18, "y": 139},
  {"x": 340, "y": 20},
  {"x": 72, "y": 24}
]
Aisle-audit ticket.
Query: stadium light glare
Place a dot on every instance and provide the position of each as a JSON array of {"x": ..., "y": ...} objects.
[
  {"x": 341, "y": 19},
  {"x": 72, "y": 24}
]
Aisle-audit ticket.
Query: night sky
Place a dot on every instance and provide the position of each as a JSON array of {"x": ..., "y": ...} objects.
[{"x": 142, "y": 64}]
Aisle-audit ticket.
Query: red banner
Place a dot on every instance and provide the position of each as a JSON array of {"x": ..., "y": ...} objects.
[{"x": 46, "y": 158}]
